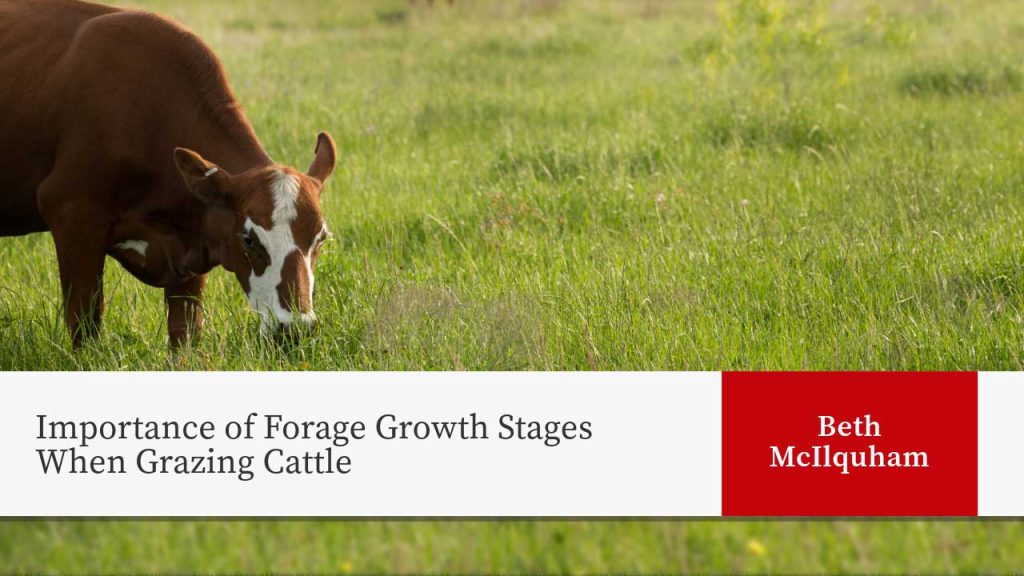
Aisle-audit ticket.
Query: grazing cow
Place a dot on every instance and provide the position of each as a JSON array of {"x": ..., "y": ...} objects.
[{"x": 119, "y": 134}]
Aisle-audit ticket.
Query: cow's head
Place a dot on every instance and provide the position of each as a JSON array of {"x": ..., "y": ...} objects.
[{"x": 265, "y": 225}]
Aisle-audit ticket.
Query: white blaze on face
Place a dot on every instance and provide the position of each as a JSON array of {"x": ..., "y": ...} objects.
[{"x": 279, "y": 244}]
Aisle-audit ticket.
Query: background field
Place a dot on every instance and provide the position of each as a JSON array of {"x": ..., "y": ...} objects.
[{"x": 600, "y": 184}]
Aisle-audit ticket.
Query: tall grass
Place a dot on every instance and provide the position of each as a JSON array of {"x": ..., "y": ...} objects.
[
  {"x": 599, "y": 184},
  {"x": 760, "y": 184}
]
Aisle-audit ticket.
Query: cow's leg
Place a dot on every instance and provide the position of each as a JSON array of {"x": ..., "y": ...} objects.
[
  {"x": 184, "y": 310},
  {"x": 79, "y": 224},
  {"x": 81, "y": 252}
]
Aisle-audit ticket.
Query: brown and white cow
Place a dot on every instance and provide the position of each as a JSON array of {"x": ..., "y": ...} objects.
[{"x": 120, "y": 135}]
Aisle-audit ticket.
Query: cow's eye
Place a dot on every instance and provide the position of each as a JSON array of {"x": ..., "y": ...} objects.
[{"x": 248, "y": 241}]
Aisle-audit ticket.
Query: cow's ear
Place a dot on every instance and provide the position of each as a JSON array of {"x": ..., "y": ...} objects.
[
  {"x": 326, "y": 156},
  {"x": 204, "y": 179}
]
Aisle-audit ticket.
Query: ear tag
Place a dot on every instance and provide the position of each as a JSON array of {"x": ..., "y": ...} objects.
[{"x": 210, "y": 172}]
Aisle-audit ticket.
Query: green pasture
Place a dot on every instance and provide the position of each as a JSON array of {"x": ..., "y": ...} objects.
[
  {"x": 598, "y": 185},
  {"x": 515, "y": 547}
]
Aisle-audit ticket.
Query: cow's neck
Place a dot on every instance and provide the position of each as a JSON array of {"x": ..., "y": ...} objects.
[{"x": 228, "y": 139}]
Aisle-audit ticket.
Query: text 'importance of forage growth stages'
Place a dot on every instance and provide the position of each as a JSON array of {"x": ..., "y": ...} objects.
[{"x": 338, "y": 434}]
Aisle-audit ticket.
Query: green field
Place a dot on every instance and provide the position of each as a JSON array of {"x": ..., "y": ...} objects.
[{"x": 599, "y": 184}]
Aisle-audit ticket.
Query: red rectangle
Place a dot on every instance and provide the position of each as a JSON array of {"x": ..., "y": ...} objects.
[{"x": 850, "y": 444}]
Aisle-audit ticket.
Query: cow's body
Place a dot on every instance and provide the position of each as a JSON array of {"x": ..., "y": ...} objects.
[{"x": 93, "y": 103}]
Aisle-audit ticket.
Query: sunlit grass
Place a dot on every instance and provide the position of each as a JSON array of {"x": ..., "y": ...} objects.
[
  {"x": 614, "y": 185},
  {"x": 513, "y": 547}
]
